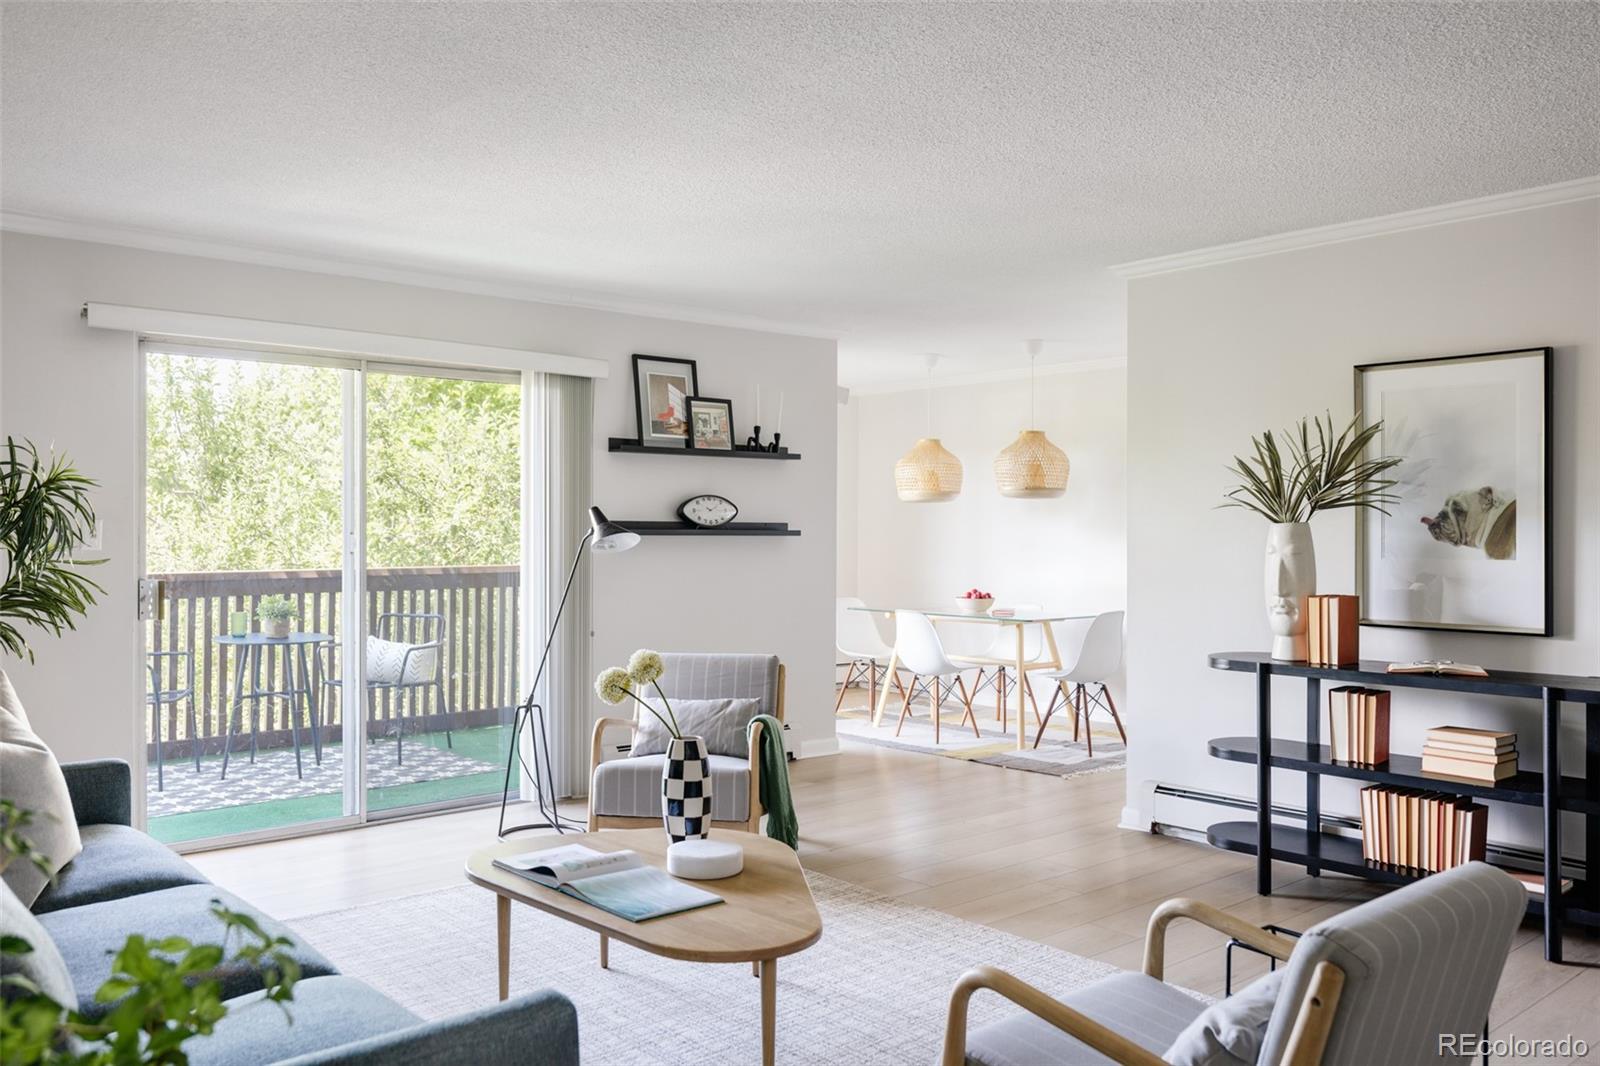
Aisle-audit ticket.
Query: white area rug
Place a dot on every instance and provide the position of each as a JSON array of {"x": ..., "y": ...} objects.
[
  {"x": 1057, "y": 754},
  {"x": 872, "y": 990}
]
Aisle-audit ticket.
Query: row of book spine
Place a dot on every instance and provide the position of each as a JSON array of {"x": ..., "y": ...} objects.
[
  {"x": 1332, "y": 635},
  {"x": 1358, "y": 724},
  {"x": 1421, "y": 830}
]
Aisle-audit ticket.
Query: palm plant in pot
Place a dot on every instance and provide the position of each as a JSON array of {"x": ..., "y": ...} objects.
[
  {"x": 1322, "y": 471},
  {"x": 45, "y": 520},
  {"x": 686, "y": 773}
]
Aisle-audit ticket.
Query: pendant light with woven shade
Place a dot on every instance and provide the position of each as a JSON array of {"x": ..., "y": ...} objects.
[
  {"x": 1030, "y": 467},
  {"x": 928, "y": 473}
]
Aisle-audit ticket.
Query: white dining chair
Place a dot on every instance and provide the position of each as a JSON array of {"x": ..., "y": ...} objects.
[
  {"x": 1084, "y": 685},
  {"x": 918, "y": 648},
  {"x": 1001, "y": 657},
  {"x": 863, "y": 651}
]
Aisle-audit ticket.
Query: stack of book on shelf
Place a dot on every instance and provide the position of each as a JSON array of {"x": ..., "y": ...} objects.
[
  {"x": 1534, "y": 883},
  {"x": 1420, "y": 830},
  {"x": 1358, "y": 724},
  {"x": 1482, "y": 755},
  {"x": 1332, "y": 637}
]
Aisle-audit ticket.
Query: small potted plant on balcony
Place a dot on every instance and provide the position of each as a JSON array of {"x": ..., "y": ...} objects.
[{"x": 275, "y": 612}]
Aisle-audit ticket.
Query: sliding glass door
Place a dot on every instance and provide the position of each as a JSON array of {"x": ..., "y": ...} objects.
[
  {"x": 444, "y": 506},
  {"x": 337, "y": 547}
]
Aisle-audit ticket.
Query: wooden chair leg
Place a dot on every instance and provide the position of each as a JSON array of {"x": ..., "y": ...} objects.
[
  {"x": 1050, "y": 710},
  {"x": 966, "y": 700},
  {"x": 1000, "y": 697},
  {"x": 895, "y": 675},
  {"x": 849, "y": 676},
  {"x": 937, "y": 702},
  {"x": 1088, "y": 727},
  {"x": 872, "y": 682},
  {"x": 1111, "y": 705},
  {"x": 905, "y": 706},
  {"x": 1027, "y": 687},
  {"x": 1072, "y": 697}
]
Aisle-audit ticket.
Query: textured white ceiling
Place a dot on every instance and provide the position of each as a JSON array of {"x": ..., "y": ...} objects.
[{"x": 915, "y": 177}]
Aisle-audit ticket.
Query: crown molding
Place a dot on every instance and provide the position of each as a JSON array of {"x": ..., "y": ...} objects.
[
  {"x": 985, "y": 377},
  {"x": 1483, "y": 207},
  {"x": 502, "y": 287}
]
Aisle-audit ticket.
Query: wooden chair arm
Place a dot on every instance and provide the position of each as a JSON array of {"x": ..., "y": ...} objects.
[
  {"x": 600, "y": 727},
  {"x": 1109, "y": 1043},
  {"x": 1155, "y": 937},
  {"x": 755, "y": 775}
]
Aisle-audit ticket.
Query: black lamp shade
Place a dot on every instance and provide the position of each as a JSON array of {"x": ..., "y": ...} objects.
[{"x": 608, "y": 536}]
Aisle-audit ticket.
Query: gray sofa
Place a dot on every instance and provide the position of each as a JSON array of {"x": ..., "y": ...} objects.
[{"x": 126, "y": 882}]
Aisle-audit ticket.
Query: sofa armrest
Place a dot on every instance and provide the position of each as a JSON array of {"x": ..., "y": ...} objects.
[
  {"x": 540, "y": 1029},
  {"x": 101, "y": 791}
]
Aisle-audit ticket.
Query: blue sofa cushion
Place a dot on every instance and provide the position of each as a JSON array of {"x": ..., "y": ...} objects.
[
  {"x": 326, "y": 1012},
  {"x": 87, "y": 936},
  {"x": 537, "y": 1029},
  {"x": 116, "y": 861}
]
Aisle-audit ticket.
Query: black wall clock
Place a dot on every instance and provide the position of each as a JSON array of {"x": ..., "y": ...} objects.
[{"x": 707, "y": 511}]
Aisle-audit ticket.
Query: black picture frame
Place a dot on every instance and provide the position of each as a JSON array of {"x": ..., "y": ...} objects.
[
  {"x": 1372, "y": 614},
  {"x": 643, "y": 367},
  {"x": 712, "y": 401}
]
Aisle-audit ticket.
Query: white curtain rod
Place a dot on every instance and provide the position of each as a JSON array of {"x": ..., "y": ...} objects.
[{"x": 185, "y": 325}]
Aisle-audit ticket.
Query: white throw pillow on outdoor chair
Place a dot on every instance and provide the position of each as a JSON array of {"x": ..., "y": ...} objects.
[{"x": 387, "y": 658}]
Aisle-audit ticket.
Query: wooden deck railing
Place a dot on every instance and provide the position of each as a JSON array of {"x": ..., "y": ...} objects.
[{"x": 481, "y": 633}]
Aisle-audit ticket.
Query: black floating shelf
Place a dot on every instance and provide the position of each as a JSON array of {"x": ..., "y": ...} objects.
[
  {"x": 1526, "y": 786},
  {"x": 1499, "y": 682},
  {"x": 1343, "y": 855},
  {"x": 631, "y": 444},
  {"x": 732, "y": 529}
]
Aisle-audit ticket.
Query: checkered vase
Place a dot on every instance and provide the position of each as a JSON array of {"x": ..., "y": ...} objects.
[{"x": 686, "y": 789}]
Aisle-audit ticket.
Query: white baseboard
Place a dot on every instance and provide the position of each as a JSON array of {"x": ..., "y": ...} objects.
[
  {"x": 1135, "y": 819},
  {"x": 811, "y": 749}
]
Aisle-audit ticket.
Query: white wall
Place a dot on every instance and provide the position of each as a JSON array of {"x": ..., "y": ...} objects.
[
  {"x": 1221, "y": 352},
  {"x": 845, "y": 489},
  {"x": 76, "y": 388},
  {"x": 1065, "y": 553}
]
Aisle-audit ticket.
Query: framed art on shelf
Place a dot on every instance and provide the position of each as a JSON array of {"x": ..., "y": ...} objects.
[
  {"x": 1467, "y": 546},
  {"x": 711, "y": 424},
  {"x": 662, "y": 386}
]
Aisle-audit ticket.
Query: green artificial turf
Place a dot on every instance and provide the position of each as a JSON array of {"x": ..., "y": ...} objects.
[{"x": 487, "y": 745}]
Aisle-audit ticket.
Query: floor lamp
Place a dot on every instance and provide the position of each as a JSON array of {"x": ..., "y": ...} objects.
[{"x": 607, "y": 537}]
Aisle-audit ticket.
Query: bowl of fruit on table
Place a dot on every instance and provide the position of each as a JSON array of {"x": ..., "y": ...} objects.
[{"x": 974, "y": 601}]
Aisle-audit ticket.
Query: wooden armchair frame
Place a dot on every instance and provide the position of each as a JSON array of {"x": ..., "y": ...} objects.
[
  {"x": 613, "y": 821},
  {"x": 1307, "y": 1039}
]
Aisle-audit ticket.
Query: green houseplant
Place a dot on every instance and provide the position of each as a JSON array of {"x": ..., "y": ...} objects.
[
  {"x": 275, "y": 613},
  {"x": 45, "y": 520},
  {"x": 1315, "y": 469}
]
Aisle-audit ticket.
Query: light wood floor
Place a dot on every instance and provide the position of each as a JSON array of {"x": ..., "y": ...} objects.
[{"x": 1035, "y": 855}]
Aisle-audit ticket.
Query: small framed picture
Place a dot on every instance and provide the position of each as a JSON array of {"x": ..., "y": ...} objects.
[
  {"x": 1467, "y": 543},
  {"x": 662, "y": 386},
  {"x": 710, "y": 424}
]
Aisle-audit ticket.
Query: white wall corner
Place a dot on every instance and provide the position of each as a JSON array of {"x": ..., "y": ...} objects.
[{"x": 816, "y": 747}]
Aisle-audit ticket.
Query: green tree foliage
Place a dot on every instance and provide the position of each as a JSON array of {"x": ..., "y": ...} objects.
[{"x": 245, "y": 467}]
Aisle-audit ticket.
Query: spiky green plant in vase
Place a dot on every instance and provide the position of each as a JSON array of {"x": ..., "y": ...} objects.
[
  {"x": 1315, "y": 469},
  {"x": 46, "y": 519}
]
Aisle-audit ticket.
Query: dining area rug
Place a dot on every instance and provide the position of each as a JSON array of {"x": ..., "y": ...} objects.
[
  {"x": 1057, "y": 754},
  {"x": 872, "y": 991}
]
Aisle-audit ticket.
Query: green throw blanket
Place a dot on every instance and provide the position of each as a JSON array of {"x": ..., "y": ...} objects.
[{"x": 781, "y": 822}]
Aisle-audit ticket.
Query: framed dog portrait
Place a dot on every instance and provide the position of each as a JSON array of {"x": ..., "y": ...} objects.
[
  {"x": 661, "y": 390},
  {"x": 1467, "y": 544}
]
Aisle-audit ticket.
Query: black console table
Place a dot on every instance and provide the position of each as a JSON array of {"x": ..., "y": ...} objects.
[{"x": 1317, "y": 851}]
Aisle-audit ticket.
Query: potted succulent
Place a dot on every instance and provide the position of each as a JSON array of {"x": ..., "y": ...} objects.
[
  {"x": 686, "y": 773},
  {"x": 1322, "y": 472},
  {"x": 275, "y": 612}
]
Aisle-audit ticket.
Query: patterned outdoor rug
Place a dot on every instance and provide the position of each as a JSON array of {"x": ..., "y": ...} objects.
[
  {"x": 272, "y": 776},
  {"x": 1056, "y": 754},
  {"x": 872, "y": 990}
]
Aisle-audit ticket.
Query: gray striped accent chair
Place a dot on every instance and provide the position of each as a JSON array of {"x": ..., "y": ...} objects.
[
  {"x": 625, "y": 792},
  {"x": 1378, "y": 984}
]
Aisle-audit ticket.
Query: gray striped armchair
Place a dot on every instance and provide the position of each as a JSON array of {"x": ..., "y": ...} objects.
[
  {"x": 1404, "y": 978},
  {"x": 625, "y": 791}
]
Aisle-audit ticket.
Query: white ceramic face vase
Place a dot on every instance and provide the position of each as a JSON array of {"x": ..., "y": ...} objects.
[{"x": 1291, "y": 576}]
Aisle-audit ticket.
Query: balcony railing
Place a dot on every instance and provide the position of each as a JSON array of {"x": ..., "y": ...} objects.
[{"x": 479, "y": 662}]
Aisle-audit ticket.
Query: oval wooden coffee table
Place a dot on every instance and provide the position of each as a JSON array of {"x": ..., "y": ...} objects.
[{"x": 768, "y": 910}]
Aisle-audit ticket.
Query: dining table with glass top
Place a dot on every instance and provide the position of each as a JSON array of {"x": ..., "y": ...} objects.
[{"x": 1018, "y": 620}]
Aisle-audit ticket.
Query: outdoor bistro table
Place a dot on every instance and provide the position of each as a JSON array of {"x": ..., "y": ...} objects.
[{"x": 295, "y": 648}]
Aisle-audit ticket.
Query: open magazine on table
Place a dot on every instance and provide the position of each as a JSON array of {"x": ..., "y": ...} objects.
[{"x": 616, "y": 881}]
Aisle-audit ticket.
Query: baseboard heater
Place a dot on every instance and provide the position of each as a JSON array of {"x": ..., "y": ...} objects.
[{"x": 1500, "y": 854}]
